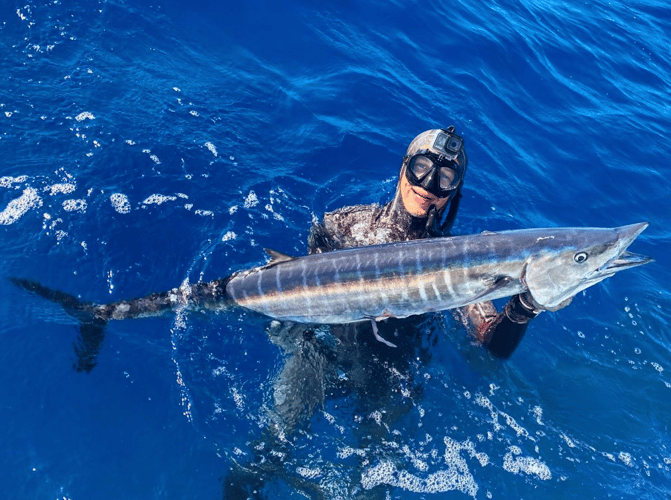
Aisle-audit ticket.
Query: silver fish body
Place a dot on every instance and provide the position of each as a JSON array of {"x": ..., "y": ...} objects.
[{"x": 415, "y": 277}]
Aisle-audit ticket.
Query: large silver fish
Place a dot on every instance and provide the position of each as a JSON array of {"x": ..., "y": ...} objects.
[
  {"x": 414, "y": 277},
  {"x": 393, "y": 280}
]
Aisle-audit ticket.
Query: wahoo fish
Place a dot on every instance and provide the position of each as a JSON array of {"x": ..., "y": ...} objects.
[
  {"x": 415, "y": 277},
  {"x": 392, "y": 280}
]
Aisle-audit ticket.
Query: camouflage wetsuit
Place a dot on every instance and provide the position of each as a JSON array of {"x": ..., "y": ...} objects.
[{"x": 349, "y": 356}]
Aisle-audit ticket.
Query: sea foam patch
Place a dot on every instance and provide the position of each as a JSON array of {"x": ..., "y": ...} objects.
[
  {"x": 158, "y": 199},
  {"x": 75, "y": 206},
  {"x": 18, "y": 207},
  {"x": 61, "y": 188},
  {"x": 84, "y": 116},
  {"x": 120, "y": 203},
  {"x": 515, "y": 463},
  {"x": 251, "y": 200},
  {"x": 457, "y": 476},
  {"x": 211, "y": 148},
  {"x": 7, "y": 181}
]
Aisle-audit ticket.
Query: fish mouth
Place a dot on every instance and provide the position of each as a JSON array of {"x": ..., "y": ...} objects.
[{"x": 626, "y": 259}]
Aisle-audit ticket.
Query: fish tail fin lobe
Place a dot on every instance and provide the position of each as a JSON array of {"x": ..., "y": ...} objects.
[{"x": 91, "y": 326}]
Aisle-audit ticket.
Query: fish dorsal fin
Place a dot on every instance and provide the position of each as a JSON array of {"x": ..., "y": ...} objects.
[{"x": 277, "y": 257}]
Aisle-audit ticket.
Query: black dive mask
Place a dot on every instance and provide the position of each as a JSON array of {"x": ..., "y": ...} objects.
[{"x": 435, "y": 173}]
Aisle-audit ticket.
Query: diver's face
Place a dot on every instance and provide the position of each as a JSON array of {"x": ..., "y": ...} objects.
[{"x": 417, "y": 200}]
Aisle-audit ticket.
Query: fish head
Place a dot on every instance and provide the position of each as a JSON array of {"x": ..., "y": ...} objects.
[{"x": 570, "y": 260}]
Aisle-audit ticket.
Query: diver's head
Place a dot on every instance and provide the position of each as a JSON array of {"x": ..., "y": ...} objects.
[{"x": 432, "y": 172}]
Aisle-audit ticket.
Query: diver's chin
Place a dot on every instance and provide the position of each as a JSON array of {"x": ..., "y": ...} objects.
[{"x": 421, "y": 202}]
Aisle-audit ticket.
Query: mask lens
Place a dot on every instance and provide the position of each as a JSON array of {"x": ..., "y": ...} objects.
[
  {"x": 448, "y": 179},
  {"x": 420, "y": 166}
]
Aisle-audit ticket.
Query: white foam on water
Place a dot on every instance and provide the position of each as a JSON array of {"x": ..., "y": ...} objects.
[
  {"x": 75, "y": 206},
  {"x": 252, "y": 200},
  {"x": 211, "y": 148},
  {"x": 18, "y": 207},
  {"x": 626, "y": 458},
  {"x": 515, "y": 463},
  {"x": 457, "y": 476},
  {"x": 84, "y": 116},
  {"x": 7, "y": 181},
  {"x": 158, "y": 199},
  {"x": 537, "y": 412},
  {"x": 486, "y": 403},
  {"x": 309, "y": 473},
  {"x": 238, "y": 399},
  {"x": 120, "y": 203},
  {"x": 277, "y": 216},
  {"x": 62, "y": 188},
  {"x": 512, "y": 423},
  {"x": 495, "y": 413},
  {"x": 348, "y": 451},
  {"x": 569, "y": 442}
]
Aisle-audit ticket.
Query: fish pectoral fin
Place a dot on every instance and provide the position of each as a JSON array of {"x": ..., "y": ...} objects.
[
  {"x": 498, "y": 283},
  {"x": 378, "y": 337},
  {"x": 276, "y": 258}
]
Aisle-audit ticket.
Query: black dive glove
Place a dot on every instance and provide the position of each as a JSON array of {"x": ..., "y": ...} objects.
[
  {"x": 511, "y": 325},
  {"x": 521, "y": 308}
]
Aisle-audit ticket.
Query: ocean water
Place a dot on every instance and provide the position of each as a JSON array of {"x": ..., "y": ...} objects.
[{"x": 144, "y": 143}]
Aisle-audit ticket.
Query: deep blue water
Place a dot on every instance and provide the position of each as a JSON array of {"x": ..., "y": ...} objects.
[{"x": 146, "y": 143}]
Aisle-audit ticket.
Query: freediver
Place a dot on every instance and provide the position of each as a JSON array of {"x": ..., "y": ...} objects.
[{"x": 354, "y": 358}]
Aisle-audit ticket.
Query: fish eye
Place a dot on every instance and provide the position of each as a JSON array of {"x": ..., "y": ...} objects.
[{"x": 580, "y": 257}]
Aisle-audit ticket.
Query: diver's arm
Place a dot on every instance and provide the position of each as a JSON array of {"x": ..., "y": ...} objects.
[
  {"x": 501, "y": 332},
  {"x": 323, "y": 235},
  {"x": 319, "y": 239},
  {"x": 505, "y": 333}
]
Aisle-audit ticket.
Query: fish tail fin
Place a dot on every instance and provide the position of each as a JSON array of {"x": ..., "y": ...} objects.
[
  {"x": 88, "y": 344},
  {"x": 71, "y": 304},
  {"x": 91, "y": 326}
]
